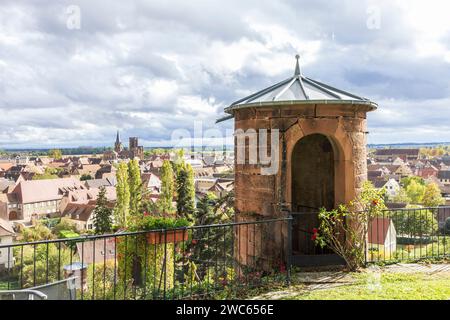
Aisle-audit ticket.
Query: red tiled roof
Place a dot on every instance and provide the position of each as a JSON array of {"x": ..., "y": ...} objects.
[{"x": 31, "y": 191}]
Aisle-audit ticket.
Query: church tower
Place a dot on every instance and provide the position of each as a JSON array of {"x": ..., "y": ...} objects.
[{"x": 118, "y": 145}]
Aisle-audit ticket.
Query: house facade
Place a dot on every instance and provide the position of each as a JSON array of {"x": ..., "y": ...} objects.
[
  {"x": 37, "y": 198},
  {"x": 391, "y": 186},
  {"x": 6, "y": 237},
  {"x": 382, "y": 235},
  {"x": 444, "y": 176},
  {"x": 81, "y": 215}
]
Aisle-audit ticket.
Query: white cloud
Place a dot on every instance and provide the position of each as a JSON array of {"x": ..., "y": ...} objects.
[{"x": 148, "y": 67}]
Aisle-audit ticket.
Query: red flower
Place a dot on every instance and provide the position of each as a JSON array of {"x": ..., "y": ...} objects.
[
  {"x": 315, "y": 234},
  {"x": 146, "y": 214},
  {"x": 194, "y": 241},
  {"x": 375, "y": 202},
  {"x": 282, "y": 268}
]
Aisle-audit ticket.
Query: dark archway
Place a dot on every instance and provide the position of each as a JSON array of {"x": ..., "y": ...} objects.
[
  {"x": 313, "y": 187},
  {"x": 312, "y": 174}
]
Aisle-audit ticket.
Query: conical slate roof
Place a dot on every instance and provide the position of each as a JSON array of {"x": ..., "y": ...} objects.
[{"x": 297, "y": 89}]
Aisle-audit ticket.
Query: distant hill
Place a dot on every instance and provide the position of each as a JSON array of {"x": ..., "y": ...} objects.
[
  {"x": 100, "y": 150},
  {"x": 407, "y": 145}
]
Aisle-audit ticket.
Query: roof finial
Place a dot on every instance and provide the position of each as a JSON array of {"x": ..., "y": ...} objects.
[{"x": 297, "y": 66}]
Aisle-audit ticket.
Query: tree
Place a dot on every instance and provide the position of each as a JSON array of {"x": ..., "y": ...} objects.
[
  {"x": 432, "y": 196},
  {"x": 64, "y": 224},
  {"x": 123, "y": 196},
  {"x": 36, "y": 233},
  {"x": 415, "y": 191},
  {"x": 185, "y": 192},
  {"x": 401, "y": 197},
  {"x": 155, "y": 151},
  {"x": 42, "y": 263},
  {"x": 405, "y": 182},
  {"x": 205, "y": 210},
  {"x": 211, "y": 210},
  {"x": 167, "y": 188},
  {"x": 224, "y": 208},
  {"x": 135, "y": 185},
  {"x": 204, "y": 216},
  {"x": 102, "y": 213},
  {"x": 55, "y": 153},
  {"x": 415, "y": 222},
  {"x": 178, "y": 162},
  {"x": 49, "y": 173},
  {"x": 85, "y": 176}
]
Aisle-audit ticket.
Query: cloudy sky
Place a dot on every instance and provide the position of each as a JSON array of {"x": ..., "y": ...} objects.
[{"x": 151, "y": 67}]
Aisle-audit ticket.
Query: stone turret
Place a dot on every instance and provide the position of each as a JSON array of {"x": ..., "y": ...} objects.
[{"x": 321, "y": 152}]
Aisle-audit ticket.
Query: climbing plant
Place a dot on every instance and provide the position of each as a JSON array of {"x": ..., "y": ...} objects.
[{"x": 344, "y": 230}]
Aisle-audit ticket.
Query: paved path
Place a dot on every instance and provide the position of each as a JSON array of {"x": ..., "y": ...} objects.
[
  {"x": 309, "y": 281},
  {"x": 417, "y": 267}
]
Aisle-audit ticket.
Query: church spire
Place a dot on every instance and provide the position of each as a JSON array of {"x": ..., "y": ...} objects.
[{"x": 117, "y": 144}]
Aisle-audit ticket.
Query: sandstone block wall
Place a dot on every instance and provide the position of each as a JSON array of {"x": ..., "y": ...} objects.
[{"x": 261, "y": 195}]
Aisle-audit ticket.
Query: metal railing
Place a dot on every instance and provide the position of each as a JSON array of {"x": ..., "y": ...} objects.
[
  {"x": 401, "y": 235},
  {"x": 210, "y": 261}
]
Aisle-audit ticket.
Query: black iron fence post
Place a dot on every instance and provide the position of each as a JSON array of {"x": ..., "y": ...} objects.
[{"x": 289, "y": 249}]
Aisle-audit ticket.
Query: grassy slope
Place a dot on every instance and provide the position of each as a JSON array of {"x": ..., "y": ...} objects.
[{"x": 386, "y": 286}]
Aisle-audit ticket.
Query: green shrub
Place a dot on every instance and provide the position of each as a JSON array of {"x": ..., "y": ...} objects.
[
  {"x": 50, "y": 222},
  {"x": 36, "y": 233},
  {"x": 149, "y": 222},
  {"x": 414, "y": 223},
  {"x": 101, "y": 279},
  {"x": 42, "y": 264},
  {"x": 65, "y": 234},
  {"x": 414, "y": 240},
  {"x": 64, "y": 224}
]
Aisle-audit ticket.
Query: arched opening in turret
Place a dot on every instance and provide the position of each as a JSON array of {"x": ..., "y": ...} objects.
[{"x": 313, "y": 187}]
